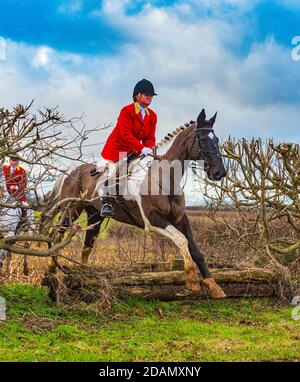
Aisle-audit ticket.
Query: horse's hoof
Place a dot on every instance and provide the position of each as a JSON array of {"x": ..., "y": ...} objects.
[
  {"x": 214, "y": 290},
  {"x": 193, "y": 286}
]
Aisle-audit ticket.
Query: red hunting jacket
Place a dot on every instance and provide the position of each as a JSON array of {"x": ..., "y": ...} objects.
[
  {"x": 17, "y": 178},
  {"x": 131, "y": 133}
]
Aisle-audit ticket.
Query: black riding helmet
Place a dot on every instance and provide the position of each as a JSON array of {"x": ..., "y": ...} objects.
[{"x": 143, "y": 86}]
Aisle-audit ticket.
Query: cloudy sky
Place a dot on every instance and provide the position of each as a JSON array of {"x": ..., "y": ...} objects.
[{"x": 232, "y": 56}]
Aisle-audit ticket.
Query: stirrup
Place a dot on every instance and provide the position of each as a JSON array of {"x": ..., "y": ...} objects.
[
  {"x": 107, "y": 210},
  {"x": 94, "y": 172}
]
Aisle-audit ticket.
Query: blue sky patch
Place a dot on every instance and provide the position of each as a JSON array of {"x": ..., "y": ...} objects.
[{"x": 63, "y": 26}]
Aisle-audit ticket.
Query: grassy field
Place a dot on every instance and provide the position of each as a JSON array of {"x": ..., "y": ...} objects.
[
  {"x": 36, "y": 329},
  {"x": 134, "y": 330}
]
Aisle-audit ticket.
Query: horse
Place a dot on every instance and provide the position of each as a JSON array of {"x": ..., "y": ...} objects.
[{"x": 160, "y": 212}]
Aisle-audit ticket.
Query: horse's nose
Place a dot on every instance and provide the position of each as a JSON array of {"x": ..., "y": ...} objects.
[{"x": 219, "y": 174}]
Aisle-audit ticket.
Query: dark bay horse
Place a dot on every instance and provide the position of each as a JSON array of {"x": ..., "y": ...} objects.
[{"x": 163, "y": 212}]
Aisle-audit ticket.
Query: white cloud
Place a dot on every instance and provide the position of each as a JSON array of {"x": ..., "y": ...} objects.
[
  {"x": 115, "y": 6},
  {"x": 190, "y": 65},
  {"x": 2, "y": 49},
  {"x": 42, "y": 56}
]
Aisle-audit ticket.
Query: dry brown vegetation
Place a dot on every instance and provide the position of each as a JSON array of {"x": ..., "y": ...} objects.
[{"x": 124, "y": 245}]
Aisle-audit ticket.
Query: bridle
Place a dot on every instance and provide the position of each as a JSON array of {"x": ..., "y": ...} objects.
[
  {"x": 202, "y": 152},
  {"x": 197, "y": 137}
]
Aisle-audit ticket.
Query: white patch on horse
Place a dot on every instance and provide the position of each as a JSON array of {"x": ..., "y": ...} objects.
[
  {"x": 181, "y": 242},
  {"x": 176, "y": 236},
  {"x": 138, "y": 170}
]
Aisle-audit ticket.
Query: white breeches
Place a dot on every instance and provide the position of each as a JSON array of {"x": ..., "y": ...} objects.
[{"x": 108, "y": 179}]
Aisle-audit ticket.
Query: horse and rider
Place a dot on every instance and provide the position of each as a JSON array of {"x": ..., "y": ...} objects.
[
  {"x": 133, "y": 139},
  {"x": 13, "y": 220}
]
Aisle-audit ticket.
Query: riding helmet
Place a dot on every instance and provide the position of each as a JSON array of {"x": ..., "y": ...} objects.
[{"x": 143, "y": 86}]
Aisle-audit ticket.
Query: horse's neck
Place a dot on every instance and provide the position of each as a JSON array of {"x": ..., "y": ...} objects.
[{"x": 177, "y": 153}]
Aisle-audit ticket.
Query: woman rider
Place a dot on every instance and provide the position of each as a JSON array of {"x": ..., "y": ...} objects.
[{"x": 134, "y": 134}]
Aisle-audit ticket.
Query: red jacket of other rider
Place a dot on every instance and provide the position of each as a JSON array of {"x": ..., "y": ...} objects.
[{"x": 16, "y": 182}]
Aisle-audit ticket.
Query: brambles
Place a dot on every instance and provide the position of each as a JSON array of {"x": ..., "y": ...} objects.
[
  {"x": 43, "y": 143},
  {"x": 262, "y": 186}
]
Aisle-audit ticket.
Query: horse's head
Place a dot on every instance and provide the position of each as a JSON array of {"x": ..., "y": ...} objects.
[{"x": 208, "y": 147}]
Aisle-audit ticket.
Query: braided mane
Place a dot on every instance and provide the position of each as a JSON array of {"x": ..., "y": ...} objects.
[{"x": 172, "y": 135}]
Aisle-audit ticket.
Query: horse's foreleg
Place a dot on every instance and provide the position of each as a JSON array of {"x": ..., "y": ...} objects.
[
  {"x": 213, "y": 289},
  {"x": 165, "y": 228},
  {"x": 95, "y": 219}
]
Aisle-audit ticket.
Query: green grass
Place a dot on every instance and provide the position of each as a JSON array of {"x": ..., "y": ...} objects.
[{"x": 227, "y": 330}]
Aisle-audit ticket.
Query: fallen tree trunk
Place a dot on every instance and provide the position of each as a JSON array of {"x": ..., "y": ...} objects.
[
  {"x": 87, "y": 283},
  {"x": 178, "y": 292},
  {"x": 253, "y": 275}
]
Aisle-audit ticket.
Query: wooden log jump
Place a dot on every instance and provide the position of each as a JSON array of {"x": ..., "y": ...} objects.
[{"x": 158, "y": 281}]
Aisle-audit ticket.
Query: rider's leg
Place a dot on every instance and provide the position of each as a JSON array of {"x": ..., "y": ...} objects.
[{"x": 109, "y": 192}]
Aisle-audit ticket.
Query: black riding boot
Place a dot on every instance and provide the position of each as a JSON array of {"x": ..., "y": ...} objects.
[{"x": 108, "y": 207}]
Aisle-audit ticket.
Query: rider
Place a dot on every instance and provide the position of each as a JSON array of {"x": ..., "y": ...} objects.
[
  {"x": 134, "y": 134},
  {"x": 16, "y": 184},
  {"x": 15, "y": 180}
]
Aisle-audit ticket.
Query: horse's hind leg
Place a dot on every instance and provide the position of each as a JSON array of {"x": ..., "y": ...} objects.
[{"x": 95, "y": 219}]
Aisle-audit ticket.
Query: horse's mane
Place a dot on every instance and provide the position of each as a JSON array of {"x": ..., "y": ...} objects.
[{"x": 171, "y": 136}]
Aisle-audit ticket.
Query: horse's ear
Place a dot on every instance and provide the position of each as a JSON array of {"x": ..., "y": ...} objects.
[
  {"x": 201, "y": 118},
  {"x": 213, "y": 119}
]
